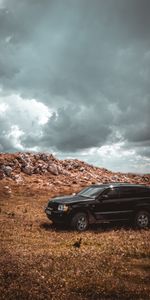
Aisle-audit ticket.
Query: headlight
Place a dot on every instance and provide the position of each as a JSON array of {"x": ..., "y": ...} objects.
[{"x": 63, "y": 207}]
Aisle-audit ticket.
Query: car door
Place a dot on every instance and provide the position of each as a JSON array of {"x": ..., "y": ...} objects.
[
  {"x": 108, "y": 205},
  {"x": 128, "y": 200}
]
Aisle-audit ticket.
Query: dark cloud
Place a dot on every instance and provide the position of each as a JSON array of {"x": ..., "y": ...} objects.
[
  {"x": 134, "y": 123},
  {"x": 72, "y": 47},
  {"x": 75, "y": 128},
  {"x": 89, "y": 61}
]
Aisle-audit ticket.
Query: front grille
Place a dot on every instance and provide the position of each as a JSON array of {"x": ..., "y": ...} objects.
[{"x": 53, "y": 205}]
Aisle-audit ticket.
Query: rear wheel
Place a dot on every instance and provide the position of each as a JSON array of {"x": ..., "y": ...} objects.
[
  {"x": 142, "y": 219},
  {"x": 80, "y": 222}
]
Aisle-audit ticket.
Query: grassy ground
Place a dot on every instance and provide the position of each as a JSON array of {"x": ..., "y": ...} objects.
[{"x": 39, "y": 262}]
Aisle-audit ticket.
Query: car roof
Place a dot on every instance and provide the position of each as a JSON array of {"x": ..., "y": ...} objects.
[{"x": 119, "y": 184}]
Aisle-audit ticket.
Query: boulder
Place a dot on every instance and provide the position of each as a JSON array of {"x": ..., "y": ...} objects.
[
  {"x": 27, "y": 170},
  {"x": 53, "y": 169},
  {"x": 23, "y": 162},
  {"x": 60, "y": 170},
  {"x": 8, "y": 170}
]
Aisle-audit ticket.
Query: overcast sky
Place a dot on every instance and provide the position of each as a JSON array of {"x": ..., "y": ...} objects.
[{"x": 75, "y": 80}]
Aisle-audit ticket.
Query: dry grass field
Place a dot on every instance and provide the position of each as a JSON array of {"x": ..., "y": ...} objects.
[{"x": 39, "y": 261}]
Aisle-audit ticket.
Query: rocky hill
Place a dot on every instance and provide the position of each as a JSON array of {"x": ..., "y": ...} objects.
[{"x": 45, "y": 171}]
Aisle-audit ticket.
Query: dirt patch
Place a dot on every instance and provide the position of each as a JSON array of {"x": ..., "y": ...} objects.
[{"x": 38, "y": 261}]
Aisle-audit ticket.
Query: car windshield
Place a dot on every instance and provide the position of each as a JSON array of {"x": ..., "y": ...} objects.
[{"x": 91, "y": 191}]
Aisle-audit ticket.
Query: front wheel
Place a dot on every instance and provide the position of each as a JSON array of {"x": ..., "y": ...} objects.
[
  {"x": 142, "y": 219},
  {"x": 80, "y": 222}
]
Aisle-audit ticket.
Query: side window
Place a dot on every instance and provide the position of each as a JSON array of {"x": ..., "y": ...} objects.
[
  {"x": 112, "y": 193},
  {"x": 127, "y": 192}
]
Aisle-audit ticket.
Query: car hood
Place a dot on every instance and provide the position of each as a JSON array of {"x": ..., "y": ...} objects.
[{"x": 70, "y": 199}]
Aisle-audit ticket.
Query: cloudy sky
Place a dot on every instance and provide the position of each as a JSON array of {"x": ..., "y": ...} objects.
[{"x": 75, "y": 80}]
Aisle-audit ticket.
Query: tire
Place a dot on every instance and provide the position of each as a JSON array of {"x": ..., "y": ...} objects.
[
  {"x": 142, "y": 219},
  {"x": 80, "y": 222}
]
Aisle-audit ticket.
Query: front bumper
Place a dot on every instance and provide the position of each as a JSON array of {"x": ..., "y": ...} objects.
[{"x": 57, "y": 216}]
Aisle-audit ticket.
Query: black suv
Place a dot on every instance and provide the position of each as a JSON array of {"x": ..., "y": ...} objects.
[{"x": 102, "y": 203}]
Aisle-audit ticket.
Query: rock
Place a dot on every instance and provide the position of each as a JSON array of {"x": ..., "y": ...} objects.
[
  {"x": 81, "y": 169},
  {"x": 18, "y": 178},
  {"x": 145, "y": 178},
  {"x": 7, "y": 170},
  {"x": 44, "y": 157},
  {"x": 2, "y": 175},
  {"x": 53, "y": 169},
  {"x": 16, "y": 163},
  {"x": 68, "y": 171},
  {"x": 37, "y": 170},
  {"x": 23, "y": 162},
  {"x": 36, "y": 156},
  {"x": 76, "y": 165},
  {"x": 40, "y": 168},
  {"x": 27, "y": 170},
  {"x": 7, "y": 189},
  {"x": 70, "y": 167},
  {"x": 115, "y": 178},
  {"x": 60, "y": 170}
]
